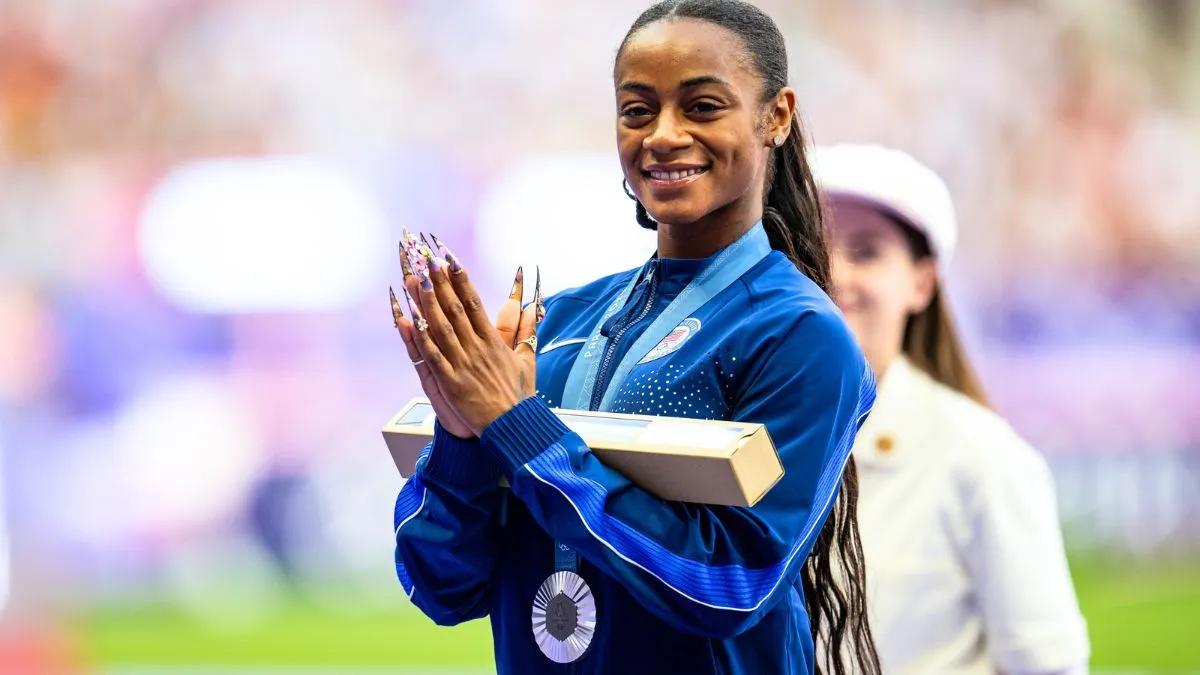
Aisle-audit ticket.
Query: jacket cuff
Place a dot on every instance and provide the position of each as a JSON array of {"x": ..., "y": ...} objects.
[
  {"x": 522, "y": 433},
  {"x": 460, "y": 462}
]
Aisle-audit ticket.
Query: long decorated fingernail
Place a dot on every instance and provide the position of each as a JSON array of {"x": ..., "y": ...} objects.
[
  {"x": 413, "y": 253},
  {"x": 539, "y": 308},
  {"x": 410, "y": 242},
  {"x": 420, "y": 266},
  {"x": 423, "y": 275},
  {"x": 418, "y": 320},
  {"x": 396, "y": 313},
  {"x": 404, "y": 264},
  {"x": 518, "y": 288},
  {"x": 436, "y": 263},
  {"x": 455, "y": 265}
]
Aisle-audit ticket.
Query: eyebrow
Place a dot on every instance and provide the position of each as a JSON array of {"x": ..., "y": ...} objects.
[
  {"x": 690, "y": 82},
  {"x": 703, "y": 79}
]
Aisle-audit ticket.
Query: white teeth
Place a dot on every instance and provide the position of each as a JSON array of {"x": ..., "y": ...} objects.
[{"x": 674, "y": 175}]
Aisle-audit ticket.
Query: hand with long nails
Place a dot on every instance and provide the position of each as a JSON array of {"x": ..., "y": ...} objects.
[
  {"x": 479, "y": 370},
  {"x": 446, "y": 416}
]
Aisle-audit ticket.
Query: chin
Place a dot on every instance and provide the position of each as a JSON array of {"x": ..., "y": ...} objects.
[{"x": 675, "y": 214}]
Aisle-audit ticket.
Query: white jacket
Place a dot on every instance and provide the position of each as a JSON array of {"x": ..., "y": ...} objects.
[{"x": 966, "y": 571}]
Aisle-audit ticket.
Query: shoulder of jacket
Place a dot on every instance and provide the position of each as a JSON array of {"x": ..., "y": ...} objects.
[
  {"x": 781, "y": 295},
  {"x": 776, "y": 280}
]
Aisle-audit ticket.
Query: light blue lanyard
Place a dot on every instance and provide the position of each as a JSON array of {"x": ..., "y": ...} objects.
[{"x": 730, "y": 264}]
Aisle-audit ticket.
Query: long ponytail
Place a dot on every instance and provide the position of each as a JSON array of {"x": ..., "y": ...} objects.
[
  {"x": 792, "y": 214},
  {"x": 834, "y": 576}
]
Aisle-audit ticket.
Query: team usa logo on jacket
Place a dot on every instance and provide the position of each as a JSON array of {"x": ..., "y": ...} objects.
[{"x": 671, "y": 344}]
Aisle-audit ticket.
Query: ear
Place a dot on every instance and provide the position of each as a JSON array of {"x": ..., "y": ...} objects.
[
  {"x": 780, "y": 112},
  {"x": 925, "y": 281}
]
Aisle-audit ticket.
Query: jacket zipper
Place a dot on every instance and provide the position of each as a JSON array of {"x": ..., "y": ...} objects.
[
  {"x": 611, "y": 349},
  {"x": 606, "y": 365}
]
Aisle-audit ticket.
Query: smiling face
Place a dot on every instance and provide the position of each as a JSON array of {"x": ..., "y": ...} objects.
[
  {"x": 879, "y": 282},
  {"x": 692, "y": 132}
]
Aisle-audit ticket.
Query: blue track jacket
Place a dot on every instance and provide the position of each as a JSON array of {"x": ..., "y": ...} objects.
[{"x": 679, "y": 587}]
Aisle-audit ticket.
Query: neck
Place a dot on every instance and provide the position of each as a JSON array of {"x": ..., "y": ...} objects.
[{"x": 703, "y": 237}]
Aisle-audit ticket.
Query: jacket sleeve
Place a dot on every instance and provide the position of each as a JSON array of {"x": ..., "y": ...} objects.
[
  {"x": 1019, "y": 567},
  {"x": 708, "y": 570},
  {"x": 447, "y": 530}
]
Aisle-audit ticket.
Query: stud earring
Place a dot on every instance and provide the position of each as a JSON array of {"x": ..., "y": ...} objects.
[{"x": 778, "y": 140}]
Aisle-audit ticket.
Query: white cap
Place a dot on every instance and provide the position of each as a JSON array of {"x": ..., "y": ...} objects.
[{"x": 894, "y": 182}]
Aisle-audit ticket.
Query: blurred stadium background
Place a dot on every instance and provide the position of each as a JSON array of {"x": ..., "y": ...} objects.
[{"x": 199, "y": 201}]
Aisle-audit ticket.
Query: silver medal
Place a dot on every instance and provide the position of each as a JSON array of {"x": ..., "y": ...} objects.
[{"x": 564, "y": 617}]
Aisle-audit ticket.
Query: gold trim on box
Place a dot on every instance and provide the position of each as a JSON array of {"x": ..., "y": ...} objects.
[{"x": 703, "y": 461}]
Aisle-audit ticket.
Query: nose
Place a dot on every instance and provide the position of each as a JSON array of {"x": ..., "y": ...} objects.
[{"x": 668, "y": 135}]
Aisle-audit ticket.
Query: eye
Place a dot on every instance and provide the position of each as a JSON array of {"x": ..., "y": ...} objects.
[
  {"x": 859, "y": 252},
  {"x": 862, "y": 253},
  {"x": 704, "y": 107},
  {"x": 636, "y": 115}
]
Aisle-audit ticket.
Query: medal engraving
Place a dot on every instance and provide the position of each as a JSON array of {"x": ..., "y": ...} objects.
[
  {"x": 564, "y": 617},
  {"x": 561, "y": 617}
]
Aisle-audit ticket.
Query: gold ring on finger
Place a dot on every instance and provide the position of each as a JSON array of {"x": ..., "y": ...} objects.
[{"x": 530, "y": 342}]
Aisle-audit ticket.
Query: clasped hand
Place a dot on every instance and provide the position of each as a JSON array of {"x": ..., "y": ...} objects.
[{"x": 472, "y": 370}]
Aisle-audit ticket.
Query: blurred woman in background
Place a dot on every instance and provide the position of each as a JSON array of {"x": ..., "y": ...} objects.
[{"x": 965, "y": 563}]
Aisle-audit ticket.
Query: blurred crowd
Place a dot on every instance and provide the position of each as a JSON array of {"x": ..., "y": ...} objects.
[{"x": 147, "y": 444}]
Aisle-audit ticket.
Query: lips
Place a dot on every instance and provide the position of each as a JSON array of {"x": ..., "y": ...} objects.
[
  {"x": 673, "y": 176},
  {"x": 676, "y": 175}
]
